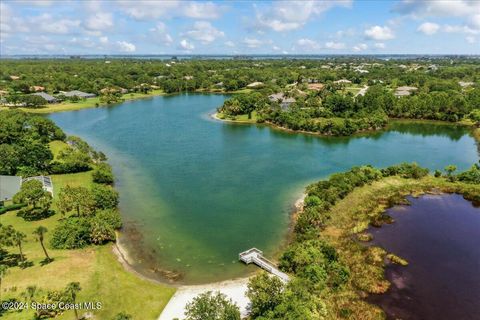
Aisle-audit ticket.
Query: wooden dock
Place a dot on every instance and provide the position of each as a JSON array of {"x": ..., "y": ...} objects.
[{"x": 255, "y": 256}]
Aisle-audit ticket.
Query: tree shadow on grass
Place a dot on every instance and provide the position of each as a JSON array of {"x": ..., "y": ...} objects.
[{"x": 46, "y": 261}]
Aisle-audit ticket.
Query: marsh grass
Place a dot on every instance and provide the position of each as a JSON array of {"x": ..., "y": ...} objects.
[{"x": 345, "y": 230}]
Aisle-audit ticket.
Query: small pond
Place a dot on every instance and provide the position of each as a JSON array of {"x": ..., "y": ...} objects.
[{"x": 439, "y": 235}]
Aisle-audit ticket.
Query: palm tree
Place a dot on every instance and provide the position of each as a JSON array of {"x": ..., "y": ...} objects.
[
  {"x": 18, "y": 237},
  {"x": 40, "y": 232},
  {"x": 72, "y": 289}
]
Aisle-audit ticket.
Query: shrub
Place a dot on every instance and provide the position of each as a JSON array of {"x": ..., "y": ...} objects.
[
  {"x": 111, "y": 217},
  {"x": 105, "y": 197},
  {"x": 103, "y": 174},
  {"x": 71, "y": 233}
]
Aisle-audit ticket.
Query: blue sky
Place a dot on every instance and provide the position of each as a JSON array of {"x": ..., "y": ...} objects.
[{"x": 239, "y": 27}]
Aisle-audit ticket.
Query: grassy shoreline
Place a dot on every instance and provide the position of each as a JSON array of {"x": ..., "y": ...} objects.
[
  {"x": 242, "y": 119},
  {"x": 351, "y": 216},
  {"x": 101, "y": 274},
  {"x": 95, "y": 102}
]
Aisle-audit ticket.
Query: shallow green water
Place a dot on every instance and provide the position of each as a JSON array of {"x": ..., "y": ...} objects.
[{"x": 195, "y": 191}]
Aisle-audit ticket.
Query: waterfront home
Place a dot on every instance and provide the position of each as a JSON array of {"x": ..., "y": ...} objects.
[
  {"x": 46, "y": 96},
  {"x": 280, "y": 97},
  {"x": 315, "y": 86},
  {"x": 45, "y": 180},
  {"x": 9, "y": 186},
  {"x": 254, "y": 85},
  {"x": 79, "y": 94},
  {"x": 342, "y": 81}
]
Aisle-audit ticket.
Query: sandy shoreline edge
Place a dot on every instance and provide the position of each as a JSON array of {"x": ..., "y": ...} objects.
[{"x": 233, "y": 288}]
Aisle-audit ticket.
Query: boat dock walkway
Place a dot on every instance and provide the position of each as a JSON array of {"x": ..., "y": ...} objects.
[{"x": 255, "y": 256}]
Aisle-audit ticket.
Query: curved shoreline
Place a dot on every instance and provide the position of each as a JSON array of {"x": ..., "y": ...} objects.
[
  {"x": 233, "y": 288},
  {"x": 474, "y": 130}
]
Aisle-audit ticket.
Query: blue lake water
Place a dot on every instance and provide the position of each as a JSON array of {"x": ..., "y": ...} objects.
[{"x": 195, "y": 191}]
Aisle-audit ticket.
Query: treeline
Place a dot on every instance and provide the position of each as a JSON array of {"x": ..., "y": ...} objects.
[
  {"x": 25, "y": 151},
  {"x": 229, "y": 75},
  {"x": 333, "y": 112},
  {"x": 89, "y": 214}
]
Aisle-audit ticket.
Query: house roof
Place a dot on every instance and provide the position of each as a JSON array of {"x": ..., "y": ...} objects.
[
  {"x": 406, "y": 88},
  {"x": 45, "y": 180},
  {"x": 280, "y": 96},
  {"x": 45, "y": 96},
  {"x": 255, "y": 84},
  {"x": 9, "y": 186},
  {"x": 79, "y": 94},
  {"x": 342, "y": 81}
]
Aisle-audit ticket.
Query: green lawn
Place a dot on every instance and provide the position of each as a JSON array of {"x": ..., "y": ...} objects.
[
  {"x": 57, "y": 146},
  {"x": 88, "y": 103},
  {"x": 101, "y": 276},
  {"x": 239, "y": 118}
]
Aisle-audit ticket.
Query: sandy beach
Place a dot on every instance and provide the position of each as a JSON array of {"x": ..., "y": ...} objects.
[{"x": 233, "y": 289}]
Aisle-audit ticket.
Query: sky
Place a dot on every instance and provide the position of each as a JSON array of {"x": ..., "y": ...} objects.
[{"x": 239, "y": 27}]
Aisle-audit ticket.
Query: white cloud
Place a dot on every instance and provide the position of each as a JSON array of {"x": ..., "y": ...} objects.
[
  {"x": 147, "y": 9},
  {"x": 160, "y": 33},
  {"x": 49, "y": 24},
  {"x": 275, "y": 48},
  {"x": 252, "y": 42},
  {"x": 83, "y": 42},
  {"x": 230, "y": 44},
  {"x": 360, "y": 47},
  {"x": 103, "y": 40},
  {"x": 204, "y": 31},
  {"x": 379, "y": 45},
  {"x": 379, "y": 33},
  {"x": 290, "y": 15},
  {"x": 308, "y": 44},
  {"x": 99, "y": 21},
  {"x": 470, "y": 39},
  {"x": 185, "y": 45},
  {"x": 460, "y": 29},
  {"x": 467, "y": 10},
  {"x": 335, "y": 45},
  {"x": 124, "y": 46},
  {"x": 202, "y": 10},
  {"x": 421, "y": 8},
  {"x": 428, "y": 28}
]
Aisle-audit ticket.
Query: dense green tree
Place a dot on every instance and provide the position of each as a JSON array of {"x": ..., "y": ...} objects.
[
  {"x": 212, "y": 306},
  {"x": 265, "y": 294}
]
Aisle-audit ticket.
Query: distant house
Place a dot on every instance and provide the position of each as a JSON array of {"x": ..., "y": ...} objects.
[
  {"x": 37, "y": 88},
  {"x": 46, "y": 96},
  {"x": 280, "y": 97},
  {"x": 343, "y": 81},
  {"x": 9, "y": 186},
  {"x": 315, "y": 86},
  {"x": 256, "y": 84},
  {"x": 404, "y": 91},
  {"x": 465, "y": 84},
  {"x": 79, "y": 94},
  {"x": 45, "y": 180}
]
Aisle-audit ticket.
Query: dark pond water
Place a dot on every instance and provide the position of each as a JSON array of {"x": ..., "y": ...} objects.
[
  {"x": 195, "y": 192},
  {"x": 440, "y": 238}
]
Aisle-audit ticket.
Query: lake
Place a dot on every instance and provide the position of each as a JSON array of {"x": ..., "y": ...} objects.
[
  {"x": 195, "y": 191},
  {"x": 439, "y": 236}
]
